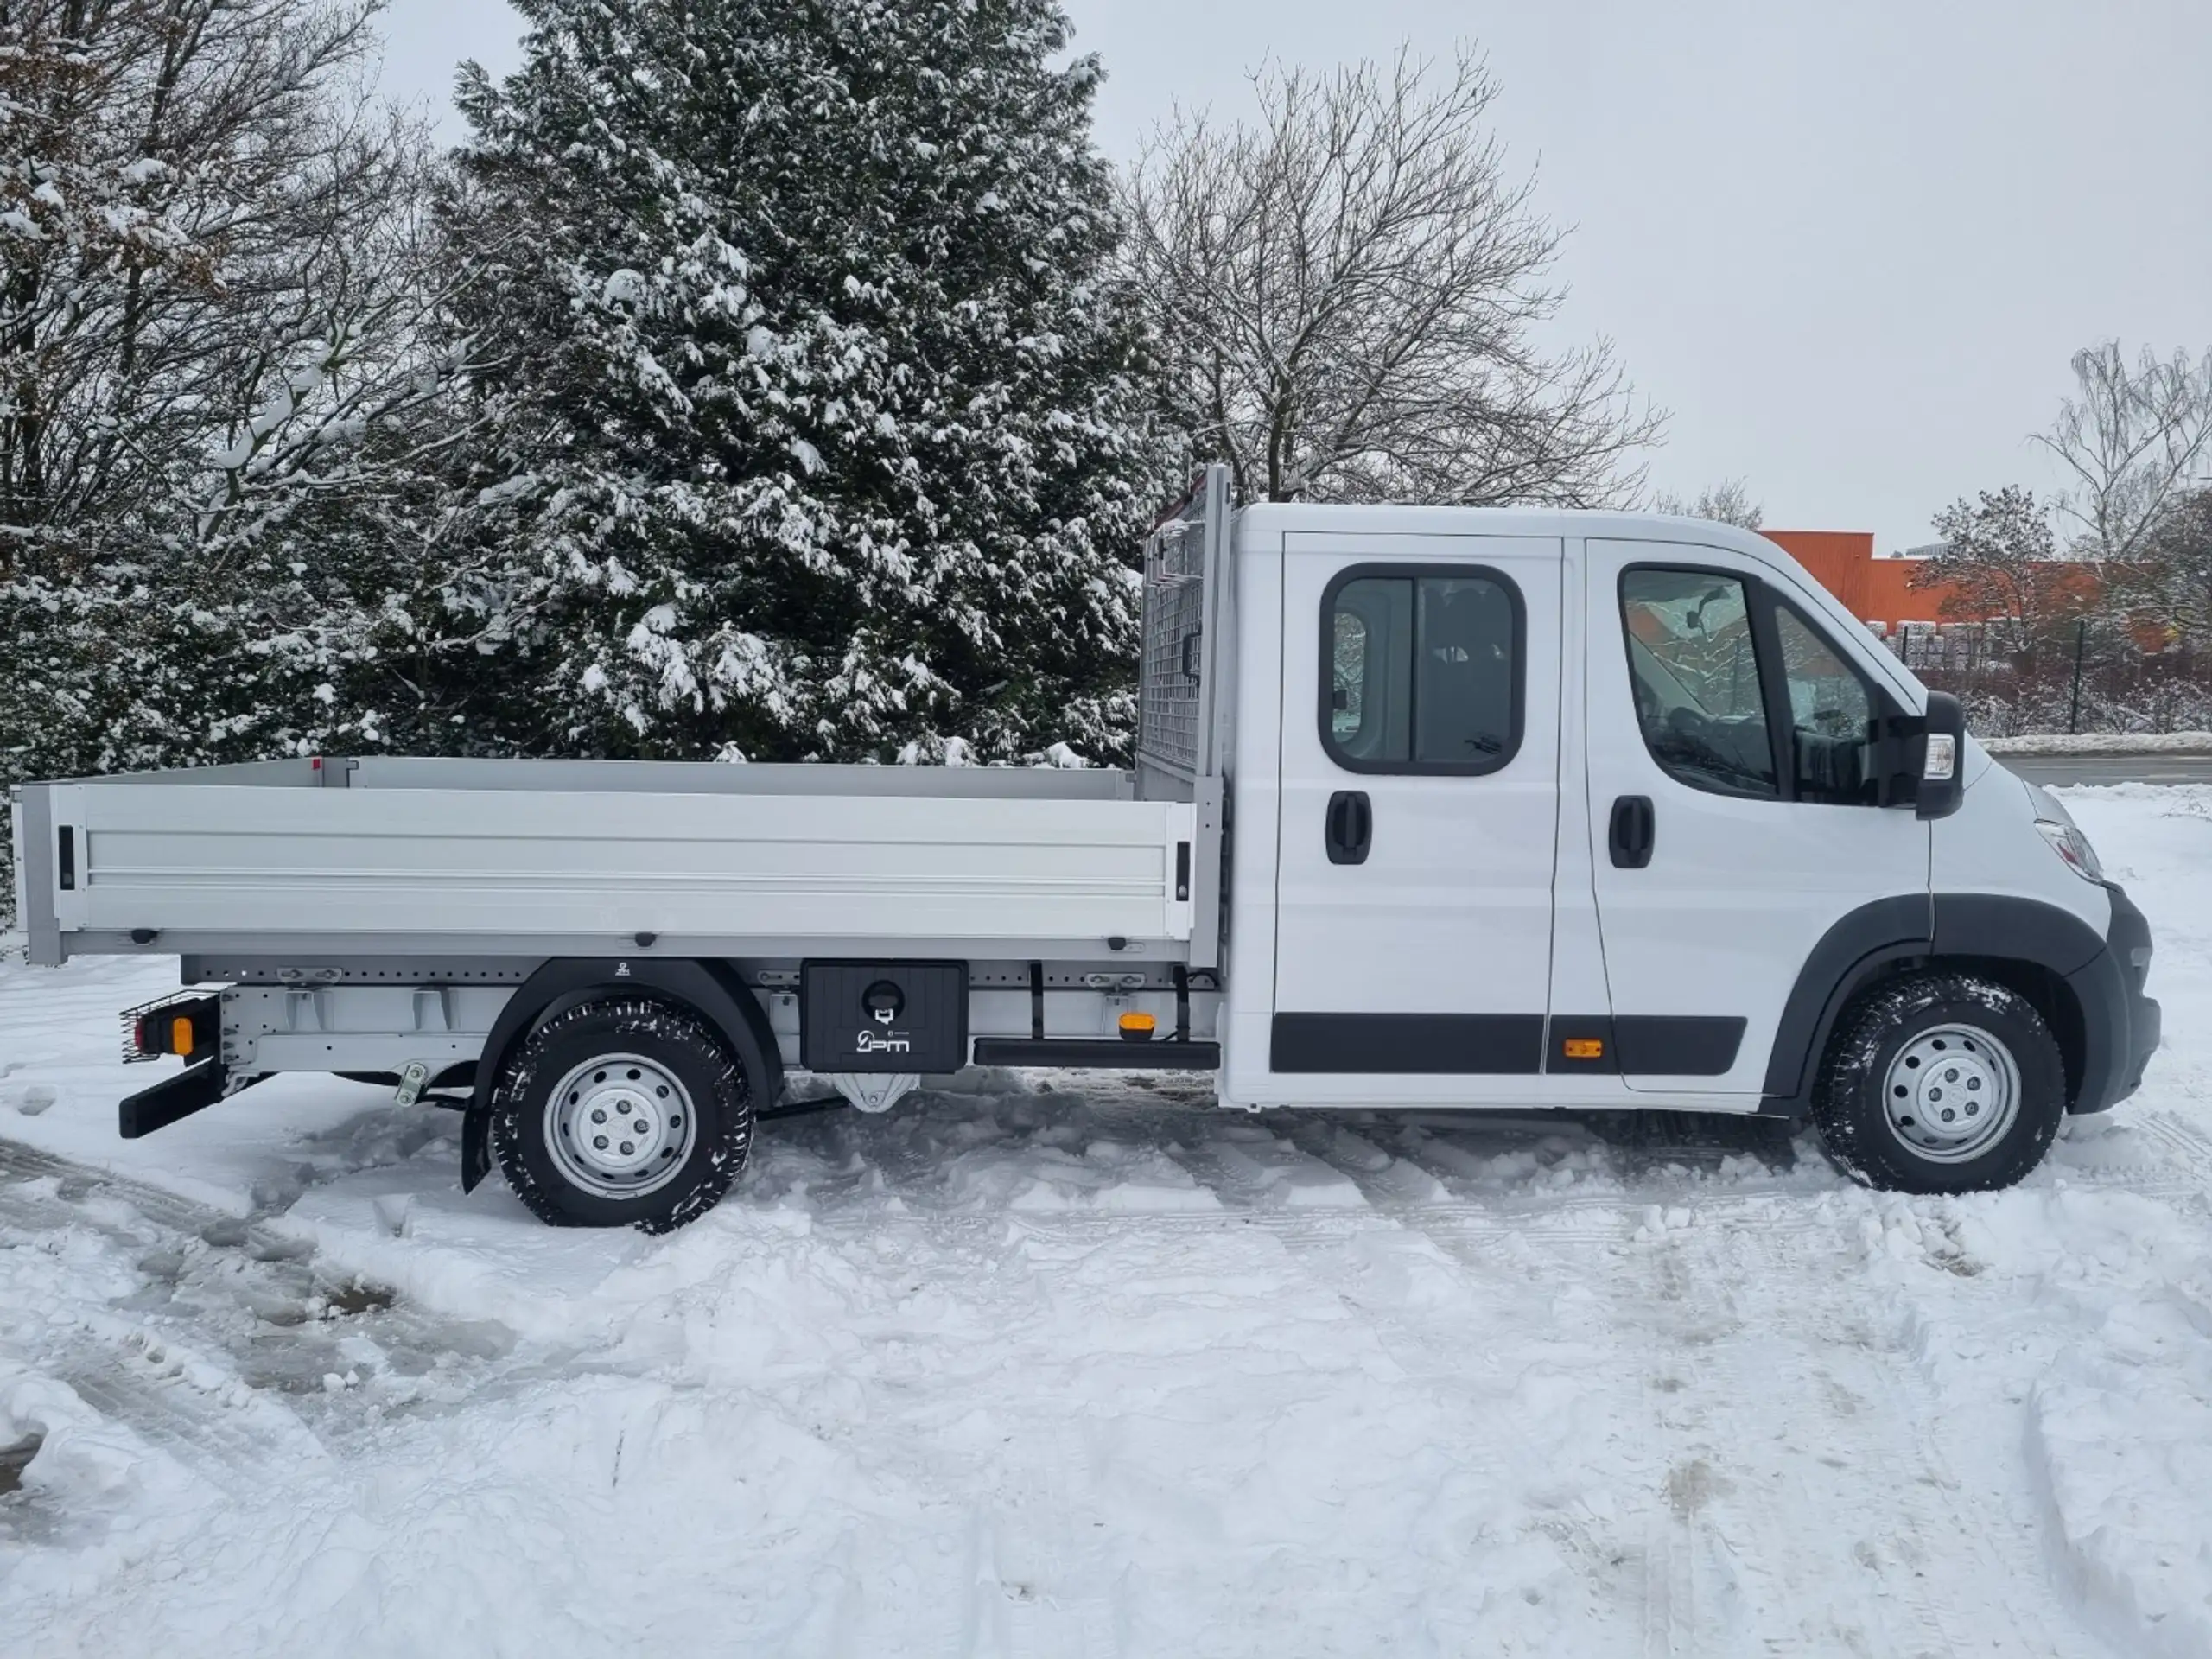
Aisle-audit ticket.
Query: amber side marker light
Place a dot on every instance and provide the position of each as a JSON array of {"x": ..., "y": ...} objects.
[
  {"x": 1137, "y": 1027},
  {"x": 181, "y": 1035},
  {"x": 1583, "y": 1048}
]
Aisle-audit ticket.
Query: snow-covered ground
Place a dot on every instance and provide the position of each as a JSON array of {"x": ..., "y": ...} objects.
[
  {"x": 1097, "y": 1369},
  {"x": 2101, "y": 743}
]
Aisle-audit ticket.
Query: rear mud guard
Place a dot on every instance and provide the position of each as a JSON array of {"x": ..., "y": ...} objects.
[{"x": 193, "y": 1090}]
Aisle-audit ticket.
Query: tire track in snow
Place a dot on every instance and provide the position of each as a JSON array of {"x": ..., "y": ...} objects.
[
  {"x": 1777, "y": 1395},
  {"x": 219, "y": 1357},
  {"x": 1710, "y": 1590},
  {"x": 1722, "y": 1572}
]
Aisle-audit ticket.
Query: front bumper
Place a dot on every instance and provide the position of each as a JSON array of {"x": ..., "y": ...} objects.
[{"x": 2120, "y": 1023}]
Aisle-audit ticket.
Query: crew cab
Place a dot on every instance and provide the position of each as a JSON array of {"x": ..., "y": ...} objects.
[{"x": 1432, "y": 807}]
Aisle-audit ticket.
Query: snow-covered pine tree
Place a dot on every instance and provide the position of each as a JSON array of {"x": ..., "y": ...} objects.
[{"x": 813, "y": 430}]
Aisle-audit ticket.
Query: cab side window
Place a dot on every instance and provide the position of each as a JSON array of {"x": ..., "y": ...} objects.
[
  {"x": 1421, "y": 669},
  {"x": 1739, "y": 693},
  {"x": 1693, "y": 666},
  {"x": 1831, "y": 720}
]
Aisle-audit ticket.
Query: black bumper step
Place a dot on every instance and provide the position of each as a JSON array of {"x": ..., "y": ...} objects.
[{"x": 1099, "y": 1053}]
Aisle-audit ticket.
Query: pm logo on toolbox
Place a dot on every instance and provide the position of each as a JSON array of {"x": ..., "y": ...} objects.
[{"x": 883, "y": 1002}]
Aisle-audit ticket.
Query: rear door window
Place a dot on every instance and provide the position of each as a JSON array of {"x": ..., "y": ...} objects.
[{"x": 1421, "y": 669}]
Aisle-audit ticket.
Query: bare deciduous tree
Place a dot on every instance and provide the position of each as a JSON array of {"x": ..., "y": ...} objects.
[
  {"x": 212, "y": 283},
  {"x": 1345, "y": 293},
  {"x": 224, "y": 384},
  {"x": 2169, "y": 581},
  {"x": 2132, "y": 439},
  {"x": 1728, "y": 502}
]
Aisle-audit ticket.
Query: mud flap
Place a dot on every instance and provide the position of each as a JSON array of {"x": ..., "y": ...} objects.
[
  {"x": 475, "y": 1146},
  {"x": 193, "y": 1090}
]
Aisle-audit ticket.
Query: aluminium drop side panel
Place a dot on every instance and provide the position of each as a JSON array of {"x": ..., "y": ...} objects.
[
  {"x": 717, "y": 778},
  {"x": 1209, "y": 855},
  {"x": 293, "y": 867},
  {"x": 33, "y": 837},
  {"x": 270, "y": 774}
]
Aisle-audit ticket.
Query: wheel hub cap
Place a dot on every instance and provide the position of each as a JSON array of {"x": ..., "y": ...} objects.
[
  {"x": 620, "y": 1125},
  {"x": 1951, "y": 1093}
]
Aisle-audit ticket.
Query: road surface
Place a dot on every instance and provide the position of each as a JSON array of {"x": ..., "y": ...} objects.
[{"x": 2060, "y": 769}]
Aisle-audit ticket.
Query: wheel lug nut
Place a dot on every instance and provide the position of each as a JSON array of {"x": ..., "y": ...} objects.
[
  {"x": 1951, "y": 1075},
  {"x": 627, "y": 1148},
  {"x": 1972, "y": 1109},
  {"x": 598, "y": 1116},
  {"x": 600, "y": 1140},
  {"x": 1949, "y": 1116}
]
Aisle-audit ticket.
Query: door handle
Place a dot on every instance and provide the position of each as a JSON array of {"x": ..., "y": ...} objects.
[
  {"x": 1349, "y": 828},
  {"x": 1632, "y": 833}
]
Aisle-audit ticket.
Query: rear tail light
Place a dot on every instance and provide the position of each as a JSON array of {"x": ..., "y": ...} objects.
[{"x": 188, "y": 1025}]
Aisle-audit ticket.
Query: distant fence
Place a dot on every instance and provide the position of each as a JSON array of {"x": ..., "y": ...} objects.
[{"x": 2090, "y": 678}]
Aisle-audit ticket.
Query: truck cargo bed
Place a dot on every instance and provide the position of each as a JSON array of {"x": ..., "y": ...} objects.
[{"x": 550, "y": 858}]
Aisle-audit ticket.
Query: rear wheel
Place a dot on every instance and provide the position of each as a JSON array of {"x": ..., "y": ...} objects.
[
  {"x": 629, "y": 1112},
  {"x": 1940, "y": 1083}
]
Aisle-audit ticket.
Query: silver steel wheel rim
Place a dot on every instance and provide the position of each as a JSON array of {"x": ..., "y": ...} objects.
[
  {"x": 620, "y": 1126},
  {"x": 1951, "y": 1093}
]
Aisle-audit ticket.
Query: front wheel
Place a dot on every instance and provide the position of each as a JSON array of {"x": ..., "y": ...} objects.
[
  {"x": 624, "y": 1112},
  {"x": 1940, "y": 1083}
]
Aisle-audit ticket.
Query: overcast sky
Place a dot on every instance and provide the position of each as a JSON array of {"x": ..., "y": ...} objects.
[{"x": 1849, "y": 245}]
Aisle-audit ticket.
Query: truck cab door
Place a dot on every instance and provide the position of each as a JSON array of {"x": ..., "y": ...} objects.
[
  {"x": 1418, "y": 810},
  {"x": 1735, "y": 805}
]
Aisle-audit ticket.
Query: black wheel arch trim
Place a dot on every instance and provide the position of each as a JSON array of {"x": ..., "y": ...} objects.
[
  {"x": 2008, "y": 928},
  {"x": 1856, "y": 947},
  {"x": 2022, "y": 929},
  {"x": 1992, "y": 926},
  {"x": 711, "y": 988}
]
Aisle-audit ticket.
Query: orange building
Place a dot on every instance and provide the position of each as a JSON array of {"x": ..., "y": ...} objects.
[
  {"x": 1872, "y": 589},
  {"x": 1881, "y": 590}
]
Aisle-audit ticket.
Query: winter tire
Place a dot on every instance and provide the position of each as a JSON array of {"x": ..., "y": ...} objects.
[
  {"x": 622, "y": 1113},
  {"x": 1940, "y": 1083}
]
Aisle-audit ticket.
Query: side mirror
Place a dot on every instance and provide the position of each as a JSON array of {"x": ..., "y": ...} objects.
[{"x": 1941, "y": 751}]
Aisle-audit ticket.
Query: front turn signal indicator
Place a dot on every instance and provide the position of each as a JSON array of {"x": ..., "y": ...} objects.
[{"x": 1138, "y": 1028}]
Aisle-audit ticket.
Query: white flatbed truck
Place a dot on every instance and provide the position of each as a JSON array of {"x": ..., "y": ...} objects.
[{"x": 1432, "y": 809}]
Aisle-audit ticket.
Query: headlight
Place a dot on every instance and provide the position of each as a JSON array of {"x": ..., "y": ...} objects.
[{"x": 2070, "y": 844}]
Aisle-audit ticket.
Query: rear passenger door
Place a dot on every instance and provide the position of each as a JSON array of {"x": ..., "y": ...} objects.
[
  {"x": 1735, "y": 805},
  {"x": 1420, "y": 802}
]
